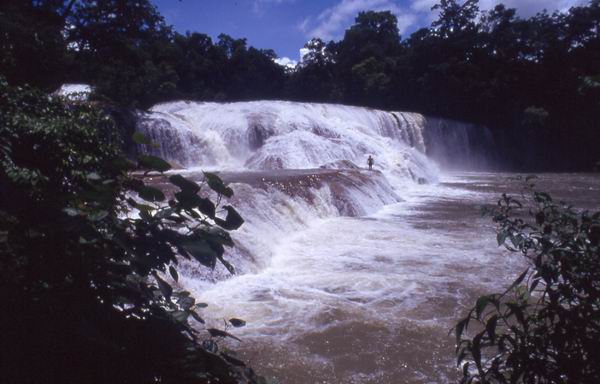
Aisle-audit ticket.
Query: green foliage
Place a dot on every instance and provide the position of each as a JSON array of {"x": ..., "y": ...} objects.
[
  {"x": 315, "y": 78},
  {"x": 366, "y": 59},
  {"x": 89, "y": 255},
  {"x": 455, "y": 18},
  {"x": 485, "y": 67},
  {"x": 545, "y": 328},
  {"x": 123, "y": 49},
  {"x": 32, "y": 43}
]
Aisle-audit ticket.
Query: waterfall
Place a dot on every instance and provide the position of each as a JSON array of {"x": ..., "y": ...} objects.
[
  {"x": 74, "y": 92},
  {"x": 457, "y": 145},
  {"x": 268, "y": 135},
  {"x": 277, "y": 204},
  {"x": 293, "y": 163},
  {"x": 334, "y": 262}
]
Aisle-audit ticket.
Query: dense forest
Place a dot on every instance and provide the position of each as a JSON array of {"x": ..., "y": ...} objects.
[{"x": 534, "y": 81}]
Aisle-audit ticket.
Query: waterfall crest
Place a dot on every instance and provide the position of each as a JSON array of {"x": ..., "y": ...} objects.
[{"x": 269, "y": 135}]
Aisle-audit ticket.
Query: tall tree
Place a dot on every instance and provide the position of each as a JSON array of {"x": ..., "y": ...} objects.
[
  {"x": 32, "y": 42},
  {"x": 455, "y": 18},
  {"x": 366, "y": 57},
  {"x": 314, "y": 77},
  {"x": 123, "y": 48}
]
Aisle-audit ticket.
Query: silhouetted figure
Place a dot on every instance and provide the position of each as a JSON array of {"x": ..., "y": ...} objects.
[{"x": 370, "y": 162}]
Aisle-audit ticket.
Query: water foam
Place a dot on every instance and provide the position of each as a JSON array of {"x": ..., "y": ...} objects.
[
  {"x": 285, "y": 135},
  {"x": 462, "y": 146},
  {"x": 330, "y": 248}
]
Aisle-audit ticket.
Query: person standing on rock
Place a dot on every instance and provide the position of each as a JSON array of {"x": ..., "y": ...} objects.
[{"x": 370, "y": 162}]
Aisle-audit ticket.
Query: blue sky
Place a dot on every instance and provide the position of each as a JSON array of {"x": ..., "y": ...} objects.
[{"x": 285, "y": 25}]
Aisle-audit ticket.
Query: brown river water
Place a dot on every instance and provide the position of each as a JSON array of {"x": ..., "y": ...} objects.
[
  {"x": 346, "y": 275},
  {"x": 371, "y": 298}
]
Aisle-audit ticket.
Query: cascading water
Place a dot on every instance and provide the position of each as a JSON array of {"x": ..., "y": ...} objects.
[
  {"x": 285, "y": 135},
  {"x": 343, "y": 274},
  {"x": 460, "y": 146},
  {"x": 274, "y": 136}
]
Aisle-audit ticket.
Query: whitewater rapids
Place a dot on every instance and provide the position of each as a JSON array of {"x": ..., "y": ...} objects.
[
  {"x": 285, "y": 135},
  {"x": 345, "y": 275}
]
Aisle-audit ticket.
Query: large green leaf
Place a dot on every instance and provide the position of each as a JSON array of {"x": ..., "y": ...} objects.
[
  {"x": 218, "y": 333},
  {"x": 482, "y": 303},
  {"x": 200, "y": 250},
  {"x": 227, "y": 265},
  {"x": 164, "y": 287},
  {"x": 151, "y": 194},
  {"x": 154, "y": 163},
  {"x": 234, "y": 361},
  {"x": 184, "y": 184},
  {"x": 196, "y": 317},
  {"x": 180, "y": 316},
  {"x": 490, "y": 327},
  {"x": 190, "y": 200},
  {"x": 140, "y": 138},
  {"x": 233, "y": 219},
  {"x": 237, "y": 322},
  {"x": 187, "y": 199},
  {"x": 173, "y": 273},
  {"x": 122, "y": 164},
  {"x": 216, "y": 234},
  {"x": 216, "y": 184},
  {"x": 207, "y": 207}
]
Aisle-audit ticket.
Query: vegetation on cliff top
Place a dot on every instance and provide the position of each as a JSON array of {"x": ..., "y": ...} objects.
[{"x": 534, "y": 79}]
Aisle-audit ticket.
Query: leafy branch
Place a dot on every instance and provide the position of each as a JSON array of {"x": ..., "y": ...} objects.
[{"x": 545, "y": 327}]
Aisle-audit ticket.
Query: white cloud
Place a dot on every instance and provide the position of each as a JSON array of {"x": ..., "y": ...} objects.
[
  {"x": 258, "y": 6},
  {"x": 303, "y": 25},
  {"x": 303, "y": 52},
  {"x": 331, "y": 23},
  {"x": 526, "y": 8},
  {"x": 422, "y": 5},
  {"x": 405, "y": 21},
  {"x": 286, "y": 62}
]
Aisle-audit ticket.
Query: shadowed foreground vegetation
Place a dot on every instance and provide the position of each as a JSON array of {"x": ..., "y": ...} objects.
[
  {"x": 89, "y": 254},
  {"x": 545, "y": 328}
]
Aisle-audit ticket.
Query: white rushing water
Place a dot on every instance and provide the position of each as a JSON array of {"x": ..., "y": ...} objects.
[
  {"x": 286, "y": 135},
  {"x": 344, "y": 274},
  {"x": 460, "y": 146},
  {"x": 75, "y": 92}
]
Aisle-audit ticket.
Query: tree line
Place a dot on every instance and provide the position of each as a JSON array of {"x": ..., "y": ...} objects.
[
  {"x": 535, "y": 81},
  {"x": 129, "y": 54}
]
